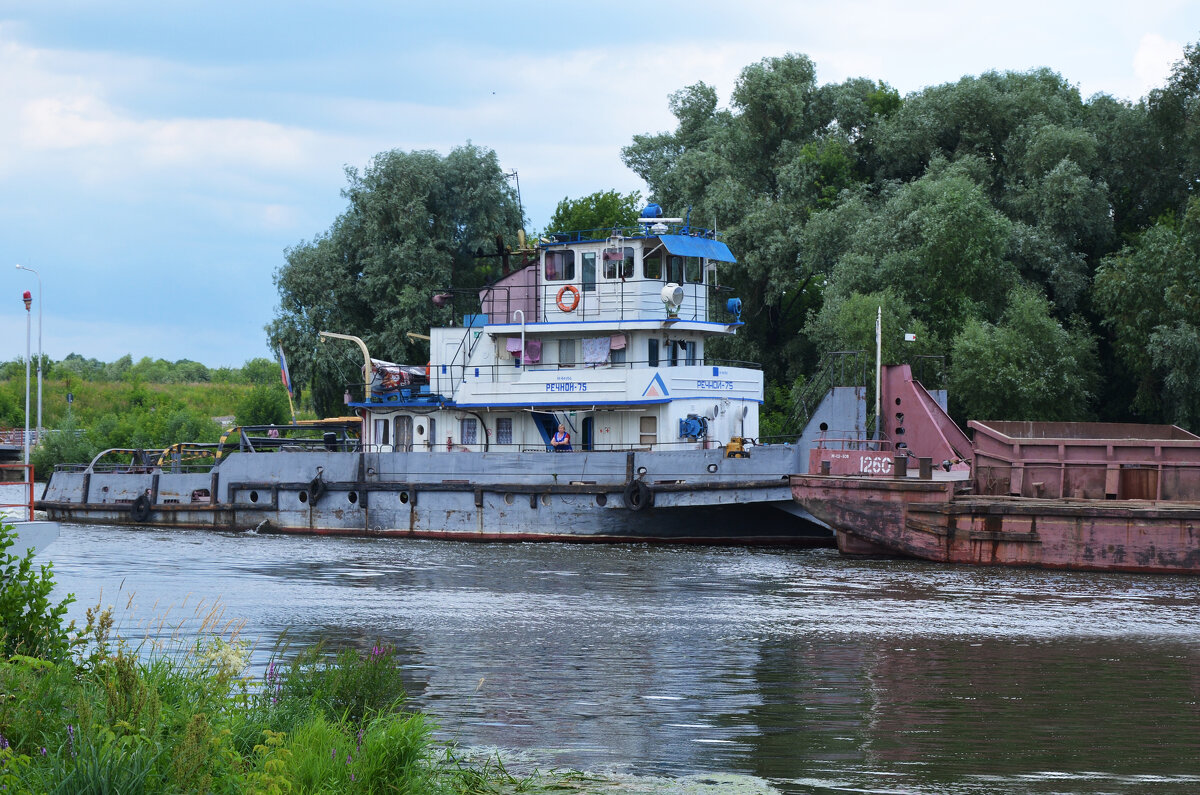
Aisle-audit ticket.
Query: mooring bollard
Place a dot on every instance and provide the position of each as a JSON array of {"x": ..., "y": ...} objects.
[
  {"x": 900, "y": 466},
  {"x": 926, "y": 468}
]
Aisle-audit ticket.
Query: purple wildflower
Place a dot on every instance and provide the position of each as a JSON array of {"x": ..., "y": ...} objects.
[
  {"x": 43, "y": 750},
  {"x": 3, "y": 742},
  {"x": 349, "y": 759},
  {"x": 71, "y": 739},
  {"x": 360, "y": 736},
  {"x": 333, "y": 755}
]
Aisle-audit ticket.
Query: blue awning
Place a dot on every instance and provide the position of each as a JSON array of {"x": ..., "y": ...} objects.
[{"x": 688, "y": 246}]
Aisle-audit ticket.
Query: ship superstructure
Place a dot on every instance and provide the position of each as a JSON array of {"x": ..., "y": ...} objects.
[{"x": 604, "y": 336}]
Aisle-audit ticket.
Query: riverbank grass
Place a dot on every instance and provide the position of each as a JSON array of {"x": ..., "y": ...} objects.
[{"x": 84, "y": 710}]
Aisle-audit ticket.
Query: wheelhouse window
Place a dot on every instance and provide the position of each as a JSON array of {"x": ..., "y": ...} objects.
[
  {"x": 684, "y": 269},
  {"x": 560, "y": 266},
  {"x": 652, "y": 352},
  {"x": 652, "y": 266},
  {"x": 618, "y": 263},
  {"x": 504, "y": 430}
]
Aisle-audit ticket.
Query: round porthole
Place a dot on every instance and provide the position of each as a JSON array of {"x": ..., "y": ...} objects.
[
  {"x": 353, "y": 497},
  {"x": 304, "y": 496},
  {"x": 712, "y": 468},
  {"x": 404, "y": 496},
  {"x": 508, "y": 498},
  {"x": 824, "y": 426},
  {"x": 546, "y": 500},
  {"x": 641, "y": 470},
  {"x": 254, "y": 496},
  {"x": 602, "y": 499},
  {"x": 897, "y": 401}
]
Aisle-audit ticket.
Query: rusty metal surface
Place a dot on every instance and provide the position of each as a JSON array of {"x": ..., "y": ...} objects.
[{"x": 930, "y": 521}]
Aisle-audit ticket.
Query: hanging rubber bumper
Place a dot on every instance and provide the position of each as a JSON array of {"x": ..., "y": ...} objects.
[
  {"x": 637, "y": 495},
  {"x": 139, "y": 511}
]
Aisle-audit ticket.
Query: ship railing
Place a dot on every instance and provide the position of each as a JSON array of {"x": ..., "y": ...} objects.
[
  {"x": 632, "y": 298},
  {"x": 510, "y": 370},
  {"x": 600, "y": 234},
  {"x": 854, "y": 441},
  {"x": 679, "y": 445},
  {"x": 836, "y": 369},
  {"x": 23, "y": 510}
]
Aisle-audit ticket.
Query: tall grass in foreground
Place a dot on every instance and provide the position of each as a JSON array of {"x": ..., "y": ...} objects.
[{"x": 96, "y": 714}]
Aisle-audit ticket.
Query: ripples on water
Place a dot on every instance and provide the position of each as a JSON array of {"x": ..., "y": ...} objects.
[{"x": 814, "y": 673}]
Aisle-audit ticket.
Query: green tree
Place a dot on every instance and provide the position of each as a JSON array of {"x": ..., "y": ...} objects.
[
  {"x": 1026, "y": 367},
  {"x": 787, "y": 149},
  {"x": 262, "y": 371},
  {"x": 412, "y": 226},
  {"x": 264, "y": 405},
  {"x": 599, "y": 211},
  {"x": 939, "y": 244},
  {"x": 1150, "y": 298}
]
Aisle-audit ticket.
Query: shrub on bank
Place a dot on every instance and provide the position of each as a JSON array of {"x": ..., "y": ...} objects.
[{"x": 83, "y": 711}]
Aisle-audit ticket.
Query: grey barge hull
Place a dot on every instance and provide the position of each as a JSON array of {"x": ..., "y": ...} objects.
[{"x": 696, "y": 496}]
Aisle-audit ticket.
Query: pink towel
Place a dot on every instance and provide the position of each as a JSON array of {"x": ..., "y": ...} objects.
[
  {"x": 533, "y": 351},
  {"x": 513, "y": 345}
]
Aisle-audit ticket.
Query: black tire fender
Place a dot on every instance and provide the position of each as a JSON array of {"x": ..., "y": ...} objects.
[
  {"x": 140, "y": 510},
  {"x": 316, "y": 489},
  {"x": 637, "y": 495}
]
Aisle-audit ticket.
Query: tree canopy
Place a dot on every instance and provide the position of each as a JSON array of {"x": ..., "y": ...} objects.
[
  {"x": 413, "y": 225},
  {"x": 1043, "y": 244},
  {"x": 601, "y": 210}
]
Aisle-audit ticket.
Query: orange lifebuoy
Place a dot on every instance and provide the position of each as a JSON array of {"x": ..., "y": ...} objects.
[{"x": 574, "y": 291}]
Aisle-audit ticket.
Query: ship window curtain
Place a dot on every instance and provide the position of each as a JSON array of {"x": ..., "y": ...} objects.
[
  {"x": 566, "y": 353},
  {"x": 504, "y": 430},
  {"x": 468, "y": 431},
  {"x": 404, "y": 434}
]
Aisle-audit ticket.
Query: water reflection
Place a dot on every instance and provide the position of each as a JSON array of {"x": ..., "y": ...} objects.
[{"x": 813, "y": 672}]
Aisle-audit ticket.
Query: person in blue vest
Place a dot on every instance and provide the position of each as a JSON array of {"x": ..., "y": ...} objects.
[{"x": 561, "y": 441}]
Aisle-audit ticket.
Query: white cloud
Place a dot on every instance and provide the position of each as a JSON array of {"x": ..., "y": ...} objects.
[{"x": 1153, "y": 61}]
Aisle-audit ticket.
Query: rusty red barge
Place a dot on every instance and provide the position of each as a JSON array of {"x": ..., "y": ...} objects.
[{"x": 1090, "y": 496}]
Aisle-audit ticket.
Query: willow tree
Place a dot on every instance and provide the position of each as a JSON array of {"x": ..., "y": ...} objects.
[{"x": 413, "y": 225}]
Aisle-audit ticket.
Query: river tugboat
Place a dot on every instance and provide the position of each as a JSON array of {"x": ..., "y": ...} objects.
[{"x": 603, "y": 335}]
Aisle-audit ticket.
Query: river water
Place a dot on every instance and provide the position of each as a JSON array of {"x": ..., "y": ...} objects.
[{"x": 786, "y": 670}]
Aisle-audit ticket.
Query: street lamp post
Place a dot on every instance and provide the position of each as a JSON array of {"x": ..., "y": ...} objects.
[
  {"x": 28, "y": 299},
  {"x": 41, "y": 300}
]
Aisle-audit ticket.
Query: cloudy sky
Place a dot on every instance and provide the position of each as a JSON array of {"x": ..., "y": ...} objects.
[{"x": 157, "y": 157}]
